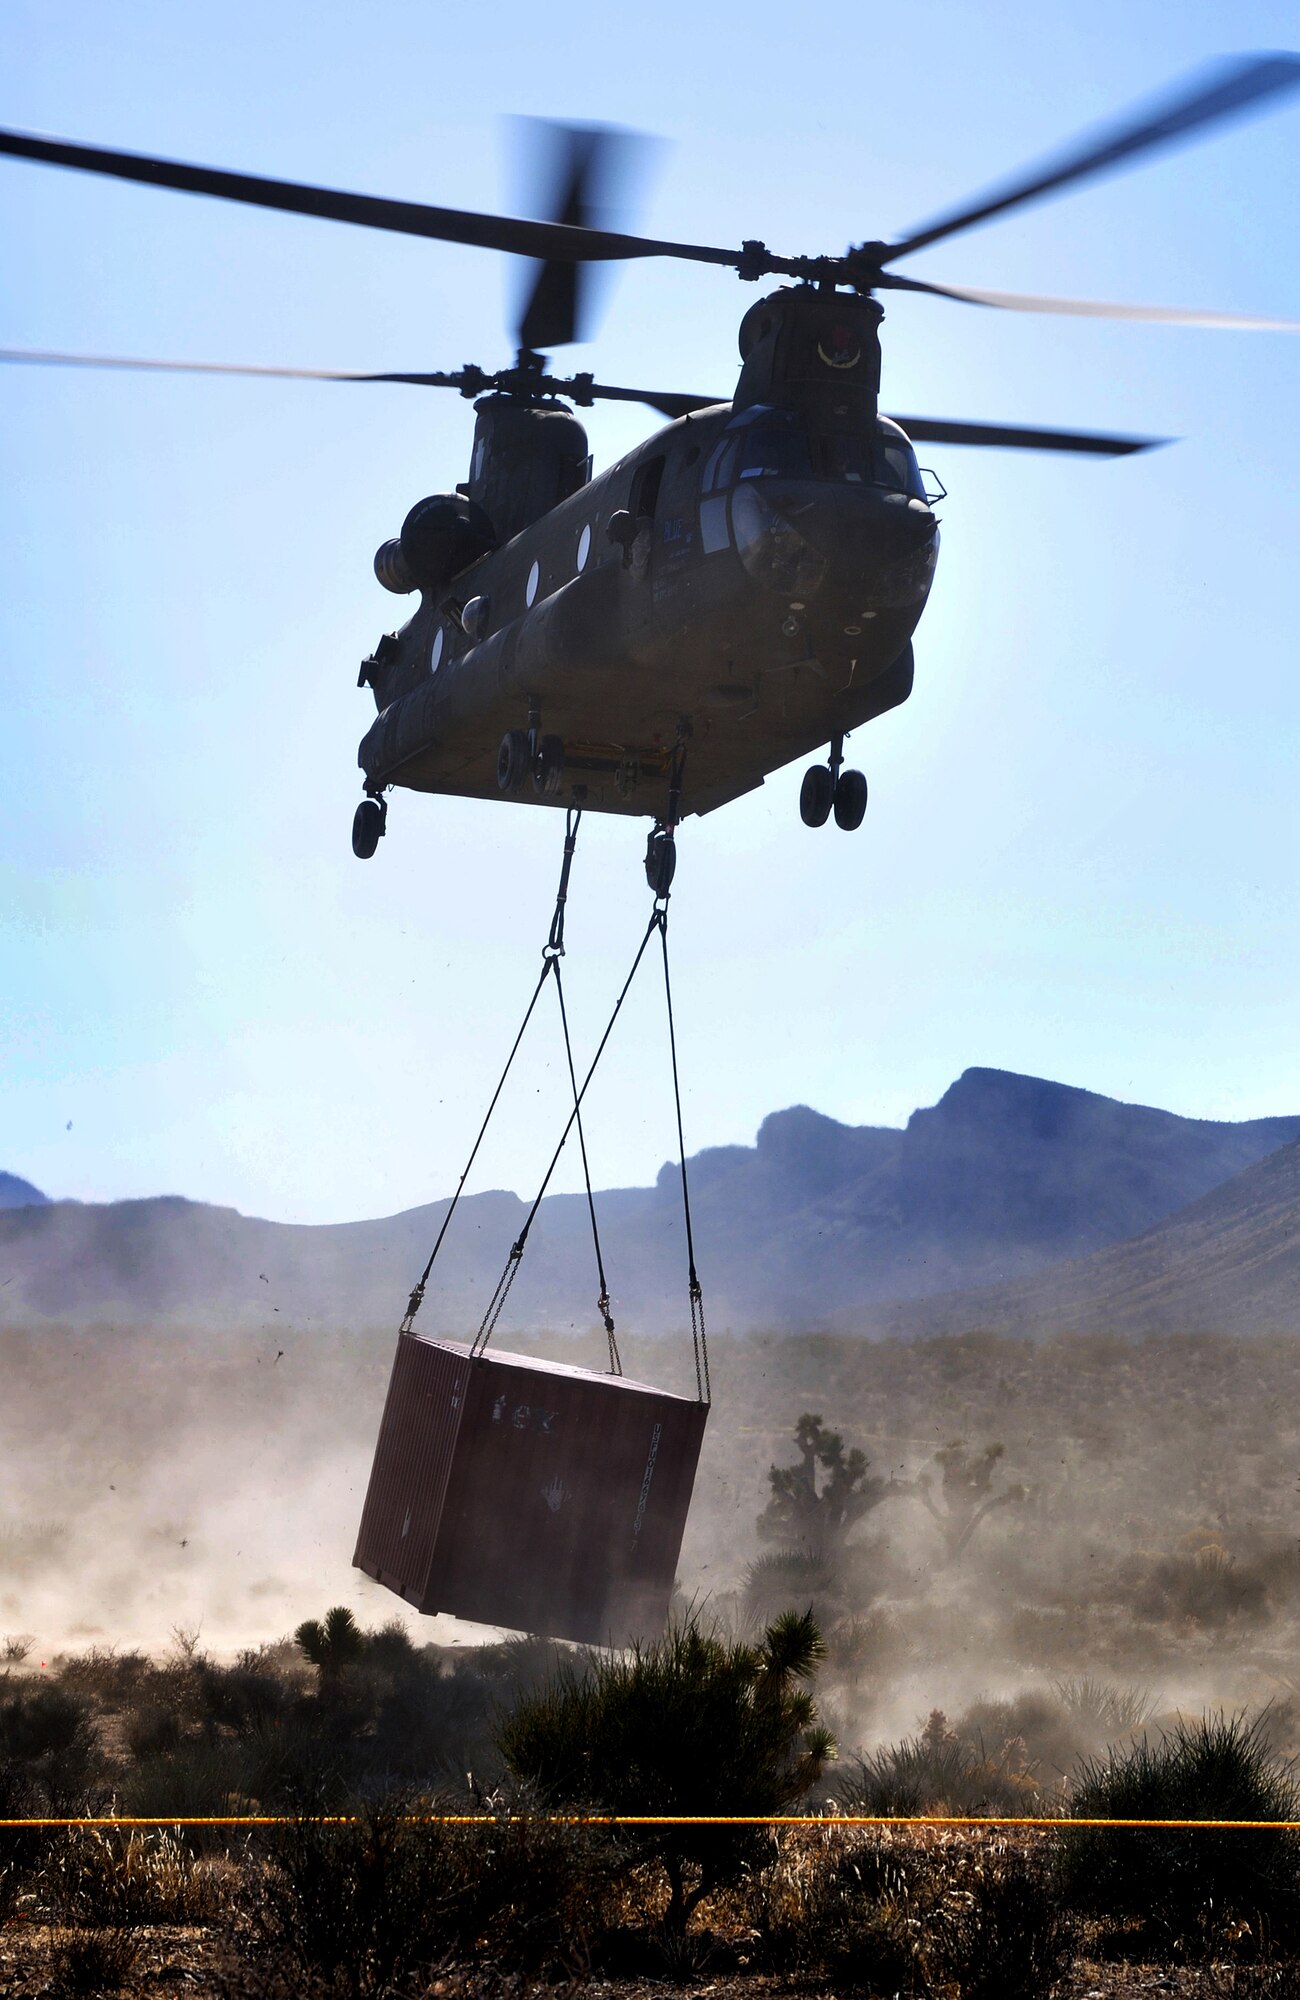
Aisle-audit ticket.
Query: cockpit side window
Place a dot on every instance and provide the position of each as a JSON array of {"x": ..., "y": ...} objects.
[
  {"x": 862, "y": 461},
  {"x": 717, "y": 473},
  {"x": 896, "y": 466}
]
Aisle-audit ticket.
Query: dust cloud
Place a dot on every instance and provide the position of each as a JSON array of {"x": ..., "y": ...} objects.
[{"x": 1143, "y": 1536}]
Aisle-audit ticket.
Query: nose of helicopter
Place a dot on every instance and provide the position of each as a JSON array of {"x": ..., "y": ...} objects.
[{"x": 825, "y": 539}]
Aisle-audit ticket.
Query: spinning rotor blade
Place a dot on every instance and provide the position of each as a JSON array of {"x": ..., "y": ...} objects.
[
  {"x": 583, "y": 169},
  {"x": 558, "y": 241},
  {"x": 1027, "y": 302},
  {"x": 469, "y": 381},
  {"x": 1229, "y": 90},
  {"x": 1017, "y": 437},
  {"x": 48, "y": 358}
]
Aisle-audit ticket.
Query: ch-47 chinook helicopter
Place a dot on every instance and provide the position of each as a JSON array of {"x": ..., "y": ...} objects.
[{"x": 738, "y": 591}]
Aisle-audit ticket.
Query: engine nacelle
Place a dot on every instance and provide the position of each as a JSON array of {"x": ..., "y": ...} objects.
[
  {"x": 440, "y": 537},
  {"x": 391, "y": 569}
]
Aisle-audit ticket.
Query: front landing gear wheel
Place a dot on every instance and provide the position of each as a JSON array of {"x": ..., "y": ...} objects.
[
  {"x": 368, "y": 827},
  {"x": 513, "y": 761},
  {"x": 850, "y": 800},
  {"x": 660, "y": 862},
  {"x": 816, "y": 795}
]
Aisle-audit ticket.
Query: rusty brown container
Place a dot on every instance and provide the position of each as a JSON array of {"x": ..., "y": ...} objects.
[{"x": 528, "y": 1493}]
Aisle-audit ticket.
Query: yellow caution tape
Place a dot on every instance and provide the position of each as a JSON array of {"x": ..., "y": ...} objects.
[{"x": 1060, "y": 1824}]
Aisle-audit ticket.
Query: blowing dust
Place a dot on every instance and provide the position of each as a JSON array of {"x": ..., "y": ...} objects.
[{"x": 1022, "y": 1515}]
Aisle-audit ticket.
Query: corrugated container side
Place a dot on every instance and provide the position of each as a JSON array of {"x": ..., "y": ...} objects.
[
  {"x": 414, "y": 1455},
  {"x": 534, "y": 1495},
  {"x": 567, "y": 1501}
]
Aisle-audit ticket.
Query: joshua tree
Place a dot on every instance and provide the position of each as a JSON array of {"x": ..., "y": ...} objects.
[
  {"x": 692, "y": 1725},
  {"x": 335, "y": 1643},
  {"x": 815, "y": 1503},
  {"x": 966, "y": 1493}
]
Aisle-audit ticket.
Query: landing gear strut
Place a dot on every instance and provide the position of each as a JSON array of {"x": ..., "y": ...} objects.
[
  {"x": 830, "y": 788},
  {"x": 526, "y": 753},
  {"x": 369, "y": 823}
]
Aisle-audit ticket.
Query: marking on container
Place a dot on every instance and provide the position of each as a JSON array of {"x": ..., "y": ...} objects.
[
  {"x": 406, "y": 1525},
  {"x": 555, "y": 1495},
  {"x": 524, "y": 1417},
  {"x": 649, "y": 1474}
]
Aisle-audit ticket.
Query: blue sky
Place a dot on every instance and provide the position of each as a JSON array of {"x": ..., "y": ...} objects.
[{"x": 1080, "y": 855}]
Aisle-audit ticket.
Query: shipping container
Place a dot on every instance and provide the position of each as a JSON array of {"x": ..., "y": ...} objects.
[{"x": 529, "y": 1494}]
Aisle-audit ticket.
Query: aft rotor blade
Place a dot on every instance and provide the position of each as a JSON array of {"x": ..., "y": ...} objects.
[
  {"x": 560, "y": 241},
  {"x": 469, "y": 381},
  {"x": 48, "y": 358},
  {"x": 1027, "y": 302},
  {"x": 1230, "y": 90},
  {"x": 666, "y": 401},
  {"x": 1018, "y": 437}
]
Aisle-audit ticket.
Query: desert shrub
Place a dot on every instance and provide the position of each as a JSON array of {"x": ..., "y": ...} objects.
[
  {"x": 243, "y": 1697},
  {"x": 117, "y": 1680},
  {"x": 1206, "y": 1587},
  {"x": 196, "y": 1777},
  {"x": 22, "y": 1849},
  {"x": 783, "y": 1577},
  {"x": 1275, "y": 1979},
  {"x": 692, "y": 1725},
  {"x": 1101, "y": 1710},
  {"x": 92, "y": 1963},
  {"x": 152, "y": 1729},
  {"x": 104, "y": 1879},
  {"x": 1004, "y": 1934},
  {"x": 1217, "y": 1768},
  {"x": 871, "y": 1644},
  {"x": 47, "y": 1734},
  {"x": 367, "y": 1904},
  {"x": 938, "y": 1770},
  {"x": 859, "y": 1916}
]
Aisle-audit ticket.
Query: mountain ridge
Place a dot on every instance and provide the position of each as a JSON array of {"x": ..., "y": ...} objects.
[{"x": 1001, "y": 1179}]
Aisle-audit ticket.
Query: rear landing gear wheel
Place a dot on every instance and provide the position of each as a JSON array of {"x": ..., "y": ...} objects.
[
  {"x": 548, "y": 767},
  {"x": 660, "y": 862},
  {"x": 513, "y": 761},
  {"x": 850, "y": 800},
  {"x": 816, "y": 795},
  {"x": 368, "y": 827}
]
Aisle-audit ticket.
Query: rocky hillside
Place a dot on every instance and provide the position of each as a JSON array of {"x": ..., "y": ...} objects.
[{"x": 1005, "y": 1177}]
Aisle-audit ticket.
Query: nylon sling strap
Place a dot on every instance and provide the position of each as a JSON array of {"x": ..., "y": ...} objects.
[
  {"x": 699, "y": 1338},
  {"x": 511, "y": 1271},
  {"x": 552, "y": 953}
]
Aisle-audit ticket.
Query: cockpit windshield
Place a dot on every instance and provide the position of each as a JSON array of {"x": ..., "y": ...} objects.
[{"x": 775, "y": 444}]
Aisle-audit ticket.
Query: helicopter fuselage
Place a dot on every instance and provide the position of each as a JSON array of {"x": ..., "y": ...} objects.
[{"x": 746, "y": 583}]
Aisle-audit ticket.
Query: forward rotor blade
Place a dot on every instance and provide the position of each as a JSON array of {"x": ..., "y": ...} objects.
[
  {"x": 1027, "y": 302},
  {"x": 1229, "y": 90},
  {"x": 580, "y": 175},
  {"x": 1018, "y": 437},
  {"x": 562, "y": 242}
]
